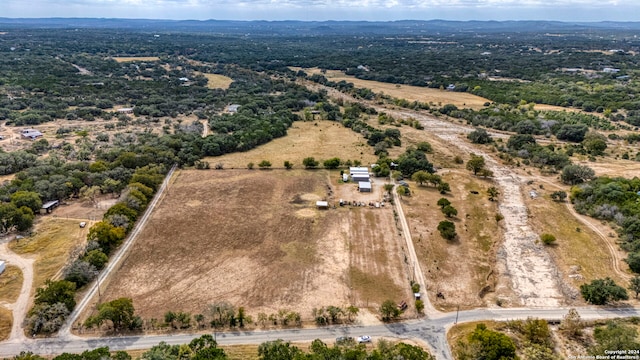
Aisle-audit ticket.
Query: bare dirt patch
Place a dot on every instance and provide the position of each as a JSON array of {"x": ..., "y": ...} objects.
[
  {"x": 122, "y": 59},
  {"x": 244, "y": 241},
  {"x": 320, "y": 139},
  {"x": 52, "y": 243},
  {"x": 11, "y": 284}
]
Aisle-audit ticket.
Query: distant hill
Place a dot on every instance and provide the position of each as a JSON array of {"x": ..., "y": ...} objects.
[{"x": 317, "y": 28}]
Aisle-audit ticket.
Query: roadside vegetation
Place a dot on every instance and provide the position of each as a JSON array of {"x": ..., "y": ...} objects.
[{"x": 538, "y": 339}]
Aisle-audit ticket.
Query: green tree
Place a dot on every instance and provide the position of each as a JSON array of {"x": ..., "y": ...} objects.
[
  {"x": 309, "y": 163},
  {"x": 8, "y": 215},
  {"x": 332, "y": 163},
  {"x": 633, "y": 259},
  {"x": 493, "y": 193},
  {"x": 603, "y": 291},
  {"x": 576, "y": 174},
  {"x": 60, "y": 291},
  {"x": 634, "y": 285},
  {"x": 264, "y": 164},
  {"x": 96, "y": 258},
  {"x": 29, "y": 199},
  {"x": 420, "y": 177},
  {"x": 402, "y": 190},
  {"x": 595, "y": 143},
  {"x": 288, "y": 165},
  {"x": 250, "y": 165},
  {"x": 388, "y": 188},
  {"x": 475, "y": 164},
  {"x": 443, "y": 202},
  {"x": 278, "y": 350},
  {"x": 120, "y": 312},
  {"x": 106, "y": 235},
  {"x": 447, "y": 230},
  {"x": 449, "y": 211},
  {"x": 419, "y": 306},
  {"x": 389, "y": 310},
  {"x": 490, "y": 345},
  {"x": 479, "y": 136}
]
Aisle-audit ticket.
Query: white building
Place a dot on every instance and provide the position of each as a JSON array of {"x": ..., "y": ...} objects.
[{"x": 1, "y": 266}]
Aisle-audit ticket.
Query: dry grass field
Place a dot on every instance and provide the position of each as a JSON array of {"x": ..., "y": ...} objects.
[
  {"x": 135, "y": 58},
  {"x": 613, "y": 167},
  {"x": 462, "y": 270},
  {"x": 6, "y": 321},
  {"x": 11, "y": 284},
  {"x": 52, "y": 242},
  {"x": 320, "y": 139},
  {"x": 216, "y": 81},
  {"x": 411, "y": 93},
  {"x": 255, "y": 239},
  {"x": 580, "y": 254}
]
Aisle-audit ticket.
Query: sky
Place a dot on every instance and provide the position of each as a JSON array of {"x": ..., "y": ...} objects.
[{"x": 311, "y": 10}]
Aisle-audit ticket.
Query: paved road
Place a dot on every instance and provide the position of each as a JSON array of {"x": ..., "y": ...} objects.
[{"x": 432, "y": 331}]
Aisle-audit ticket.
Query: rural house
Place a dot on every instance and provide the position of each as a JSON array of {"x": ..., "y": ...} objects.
[{"x": 31, "y": 134}]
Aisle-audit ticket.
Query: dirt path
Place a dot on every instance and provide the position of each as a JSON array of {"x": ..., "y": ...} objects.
[
  {"x": 115, "y": 261},
  {"x": 415, "y": 264},
  {"x": 20, "y": 307}
]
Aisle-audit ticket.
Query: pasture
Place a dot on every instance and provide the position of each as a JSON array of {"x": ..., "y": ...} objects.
[{"x": 255, "y": 239}]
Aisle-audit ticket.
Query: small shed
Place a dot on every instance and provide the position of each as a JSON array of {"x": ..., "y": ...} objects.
[
  {"x": 364, "y": 186},
  {"x": 322, "y": 204},
  {"x": 50, "y": 205},
  {"x": 345, "y": 177},
  {"x": 125, "y": 111},
  {"x": 233, "y": 108},
  {"x": 1, "y": 266}
]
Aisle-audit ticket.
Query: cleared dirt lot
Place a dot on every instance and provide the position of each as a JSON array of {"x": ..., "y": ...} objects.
[{"x": 254, "y": 238}]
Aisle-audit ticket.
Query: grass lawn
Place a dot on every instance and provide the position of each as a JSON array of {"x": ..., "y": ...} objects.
[
  {"x": 52, "y": 244},
  {"x": 6, "y": 321}
]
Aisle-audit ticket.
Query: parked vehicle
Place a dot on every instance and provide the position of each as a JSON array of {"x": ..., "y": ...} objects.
[{"x": 364, "y": 339}]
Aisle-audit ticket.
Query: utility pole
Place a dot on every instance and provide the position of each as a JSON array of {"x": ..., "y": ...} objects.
[{"x": 457, "y": 312}]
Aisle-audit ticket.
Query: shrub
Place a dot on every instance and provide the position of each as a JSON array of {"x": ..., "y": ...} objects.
[{"x": 547, "y": 239}]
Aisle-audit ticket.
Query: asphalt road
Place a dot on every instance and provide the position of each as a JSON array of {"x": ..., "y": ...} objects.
[{"x": 432, "y": 331}]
